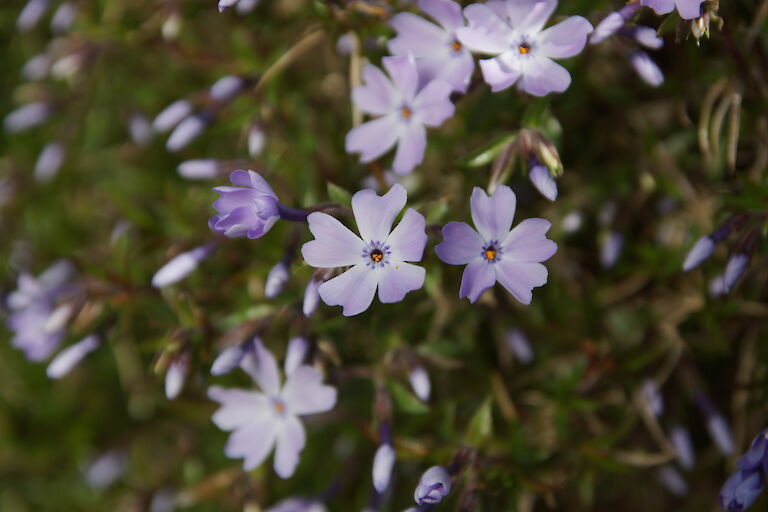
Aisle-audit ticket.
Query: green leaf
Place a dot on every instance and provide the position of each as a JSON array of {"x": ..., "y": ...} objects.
[
  {"x": 339, "y": 195},
  {"x": 404, "y": 400},
  {"x": 536, "y": 114},
  {"x": 668, "y": 24},
  {"x": 487, "y": 154},
  {"x": 481, "y": 425}
]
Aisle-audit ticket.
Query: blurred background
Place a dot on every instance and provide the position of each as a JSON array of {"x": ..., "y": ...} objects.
[{"x": 626, "y": 383}]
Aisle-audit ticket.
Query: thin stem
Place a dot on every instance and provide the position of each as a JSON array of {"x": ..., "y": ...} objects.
[
  {"x": 307, "y": 43},
  {"x": 292, "y": 214}
]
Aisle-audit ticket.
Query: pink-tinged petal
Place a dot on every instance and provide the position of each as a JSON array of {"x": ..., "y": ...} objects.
[
  {"x": 565, "y": 39},
  {"x": 408, "y": 239},
  {"x": 260, "y": 364},
  {"x": 375, "y": 214},
  {"x": 305, "y": 393},
  {"x": 404, "y": 75},
  {"x": 416, "y": 36},
  {"x": 447, "y": 13},
  {"x": 689, "y": 9},
  {"x": 543, "y": 76},
  {"x": 399, "y": 278},
  {"x": 354, "y": 289},
  {"x": 433, "y": 105},
  {"x": 334, "y": 244},
  {"x": 252, "y": 442},
  {"x": 660, "y": 6},
  {"x": 486, "y": 33},
  {"x": 374, "y": 138},
  {"x": 496, "y": 75},
  {"x": 461, "y": 244},
  {"x": 534, "y": 14},
  {"x": 238, "y": 407},
  {"x": 493, "y": 215},
  {"x": 528, "y": 242},
  {"x": 520, "y": 278},
  {"x": 410, "y": 148},
  {"x": 376, "y": 95},
  {"x": 290, "y": 442},
  {"x": 478, "y": 277}
]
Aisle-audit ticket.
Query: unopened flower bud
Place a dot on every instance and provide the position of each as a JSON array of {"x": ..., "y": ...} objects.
[
  {"x": 296, "y": 353},
  {"x": 611, "y": 245},
  {"x": 185, "y": 132},
  {"x": 36, "y": 68},
  {"x": 226, "y": 87},
  {"x": 543, "y": 181},
  {"x": 171, "y": 115},
  {"x": 720, "y": 433},
  {"x": 31, "y": 14},
  {"x": 26, "y": 116},
  {"x": 383, "y": 462},
  {"x": 255, "y": 140},
  {"x": 244, "y": 7},
  {"x": 63, "y": 18},
  {"x": 700, "y": 251},
  {"x": 646, "y": 68},
  {"x": 419, "y": 379},
  {"x": 176, "y": 375},
  {"x": 276, "y": 279},
  {"x": 311, "y": 297},
  {"x": 49, "y": 162},
  {"x": 140, "y": 129},
  {"x": 181, "y": 266},
  {"x": 653, "y": 399},
  {"x": 71, "y": 357},
  {"x": 435, "y": 484},
  {"x": 673, "y": 481},
  {"x": 681, "y": 441},
  {"x": 200, "y": 169},
  {"x": 647, "y": 37},
  {"x": 518, "y": 344}
]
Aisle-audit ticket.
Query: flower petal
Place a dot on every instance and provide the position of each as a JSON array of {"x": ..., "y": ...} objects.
[
  {"x": 689, "y": 9},
  {"x": 461, "y": 244},
  {"x": 354, "y": 289},
  {"x": 520, "y": 278},
  {"x": 433, "y": 105},
  {"x": 528, "y": 242},
  {"x": 404, "y": 75},
  {"x": 290, "y": 442},
  {"x": 238, "y": 407},
  {"x": 408, "y": 239},
  {"x": 447, "y": 13},
  {"x": 487, "y": 32},
  {"x": 334, "y": 244},
  {"x": 498, "y": 76},
  {"x": 305, "y": 393},
  {"x": 565, "y": 39},
  {"x": 253, "y": 442},
  {"x": 477, "y": 277},
  {"x": 260, "y": 364},
  {"x": 543, "y": 76},
  {"x": 660, "y": 6},
  {"x": 410, "y": 148},
  {"x": 493, "y": 215},
  {"x": 376, "y": 95},
  {"x": 399, "y": 278},
  {"x": 534, "y": 14},
  {"x": 374, "y": 214},
  {"x": 374, "y": 138},
  {"x": 416, "y": 36}
]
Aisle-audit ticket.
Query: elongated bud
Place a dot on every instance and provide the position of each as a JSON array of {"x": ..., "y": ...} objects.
[
  {"x": 26, "y": 117},
  {"x": 647, "y": 37},
  {"x": 36, "y": 68},
  {"x": 256, "y": 140},
  {"x": 176, "y": 375},
  {"x": 543, "y": 181},
  {"x": 611, "y": 245},
  {"x": 653, "y": 399},
  {"x": 608, "y": 27},
  {"x": 58, "y": 319},
  {"x": 200, "y": 169},
  {"x": 31, "y": 14},
  {"x": 63, "y": 18},
  {"x": 311, "y": 297},
  {"x": 71, "y": 356},
  {"x": 181, "y": 266},
  {"x": 228, "y": 360},
  {"x": 681, "y": 441},
  {"x": 244, "y": 7},
  {"x": 172, "y": 115},
  {"x": 646, "y": 68},
  {"x": 140, "y": 129},
  {"x": 296, "y": 353},
  {"x": 673, "y": 481},
  {"x": 720, "y": 433},
  {"x": 105, "y": 469},
  {"x": 518, "y": 344},
  {"x": 383, "y": 462},
  {"x": 276, "y": 279},
  {"x": 700, "y": 251},
  {"x": 227, "y": 87},
  {"x": 733, "y": 270},
  {"x": 435, "y": 484},
  {"x": 419, "y": 379},
  {"x": 186, "y": 131},
  {"x": 49, "y": 162}
]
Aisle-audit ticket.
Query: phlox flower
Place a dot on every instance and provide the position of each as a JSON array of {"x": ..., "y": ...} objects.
[
  {"x": 404, "y": 110},
  {"x": 511, "y": 31},
  {"x": 437, "y": 51},
  {"x": 377, "y": 257},
  {"x": 688, "y": 9},
  {"x": 250, "y": 207},
  {"x": 495, "y": 252},
  {"x": 261, "y": 420}
]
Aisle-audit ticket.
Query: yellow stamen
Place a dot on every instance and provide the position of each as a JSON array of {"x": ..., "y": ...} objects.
[
  {"x": 406, "y": 112},
  {"x": 456, "y": 46},
  {"x": 524, "y": 49},
  {"x": 377, "y": 256},
  {"x": 279, "y": 407},
  {"x": 490, "y": 254}
]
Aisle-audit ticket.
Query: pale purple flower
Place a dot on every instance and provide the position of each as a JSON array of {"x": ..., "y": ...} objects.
[
  {"x": 383, "y": 462},
  {"x": 36, "y": 68},
  {"x": 434, "y": 485},
  {"x": 256, "y": 140},
  {"x": 297, "y": 504},
  {"x": 199, "y": 169},
  {"x": 49, "y": 161},
  {"x": 63, "y": 18},
  {"x": 227, "y": 87},
  {"x": 176, "y": 375},
  {"x": 611, "y": 245},
  {"x": 646, "y": 68},
  {"x": 438, "y": 53},
  {"x": 700, "y": 251},
  {"x": 419, "y": 379},
  {"x": 276, "y": 279},
  {"x": 181, "y": 266},
  {"x": 262, "y": 419},
  {"x": 311, "y": 297},
  {"x": 511, "y": 31},
  {"x": 681, "y": 441},
  {"x": 756, "y": 457},
  {"x": 26, "y": 116},
  {"x": 543, "y": 181},
  {"x": 71, "y": 357},
  {"x": 403, "y": 109},
  {"x": 495, "y": 252},
  {"x": 673, "y": 481},
  {"x": 741, "y": 490},
  {"x": 688, "y": 9},
  {"x": 31, "y": 14},
  {"x": 186, "y": 131},
  {"x": 378, "y": 256},
  {"x": 517, "y": 341},
  {"x": 172, "y": 115},
  {"x": 249, "y": 208}
]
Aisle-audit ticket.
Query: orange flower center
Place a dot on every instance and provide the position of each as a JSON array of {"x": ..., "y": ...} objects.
[
  {"x": 406, "y": 113},
  {"x": 377, "y": 255},
  {"x": 279, "y": 406},
  {"x": 490, "y": 254},
  {"x": 524, "y": 49},
  {"x": 456, "y": 46}
]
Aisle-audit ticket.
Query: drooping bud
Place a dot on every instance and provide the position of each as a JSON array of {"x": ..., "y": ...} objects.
[
  {"x": 681, "y": 441},
  {"x": 187, "y": 131},
  {"x": 646, "y": 68},
  {"x": 518, "y": 344},
  {"x": 200, "y": 169},
  {"x": 71, "y": 357},
  {"x": 383, "y": 462},
  {"x": 171, "y": 115},
  {"x": 419, "y": 379},
  {"x": 311, "y": 297},
  {"x": 435, "y": 484},
  {"x": 276, "y": 279},
  {"x": 181, "y": 266},
  {"x": 296, "y": 353},
  {"x": 543, "y": 181},
  {"x": 700, "y": 251}
]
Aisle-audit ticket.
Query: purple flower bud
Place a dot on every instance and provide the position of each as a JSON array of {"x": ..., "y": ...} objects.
[
  {"x": 276, "y": 279},
  {"x": 226, "y": 4},
  {"x": 647, "y": 37},
  {"x": 420, "y": 384},
  {"x": 71, "y": 357},
  {"x": 572, "y": 221},
  {"x": 383, "y": 462},
  {"x": 720, "y": 433},
  {"x": 27, "y": 116},
  {"x": 646, "y": 68},
  {"x": 185, "y": 132},
  {"x": 295, "y": 354},
  {"x": 608, "y": 27},
  {"x": 31, "y": 14},
  {"x": 63, "y": 18},
  {"x": 311, "y": 297},
  {"x": 757, "y": 456},
  {"x": 58, "y": 318},
  {"x": 171, "y": 115},
  {"x": 735, "y": 267},
  {"x": 36, "y": 68},
  {"x": 673, "y": 481},
  {"x": 181, "y": 266},
  {"x": 226, "y": 87},
  {"x": 201, "y": 169},
  {"x": 610, "y": 248},
  {"x": 244, "y": 7},
  {"x": 346, "y": 44},
  {"x": 543, "y": 181},
  {"x": 652, "y": 397},
  {"x": 140, "y": 129},
  {"x": 176, "y": 375},
  {"x": 227, "y": 360},
  {"x": 249, "y": 208},
  {"x": 717, "y": 286},
  {"x": 49, "y": 162},
  {"x": 681, "y": 441},
  {"x": 741, "y": 490},
  {"x": 105, "y": 469},
  {"x": 700, "y": 251},
  {"x": 255, "y": 140},
  {"x": 435, "y": 484},
  {"x": 518, "y": 343}
]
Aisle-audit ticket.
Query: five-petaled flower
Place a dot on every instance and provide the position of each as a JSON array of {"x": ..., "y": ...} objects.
[
  {"x": 688, "y": 9},
  {"x": 495, "y": 252},
  {"x": 437, "y": 51},
  {"x": 378, "y": 256},
  {"x": 261, "y": 420},
  {"x": 249, "y": 208},
  {"x": 404, "y": 110},
  {"x": 511, "y": 31}
]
